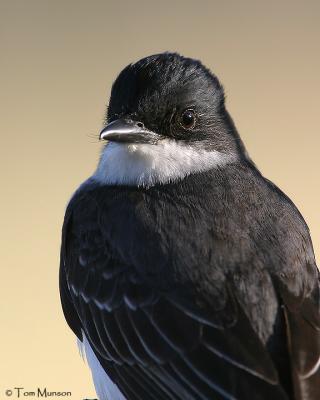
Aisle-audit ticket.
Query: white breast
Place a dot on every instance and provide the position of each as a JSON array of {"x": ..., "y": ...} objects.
[
  {"x": 148, "y": 164},
  {"x": 105, "y": 388}
]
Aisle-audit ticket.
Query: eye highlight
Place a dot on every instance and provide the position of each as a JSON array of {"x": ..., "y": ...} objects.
[{"x": 188, "y": 119}]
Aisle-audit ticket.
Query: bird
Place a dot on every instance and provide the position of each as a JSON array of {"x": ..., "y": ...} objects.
[{"x": 185, "y": 274}]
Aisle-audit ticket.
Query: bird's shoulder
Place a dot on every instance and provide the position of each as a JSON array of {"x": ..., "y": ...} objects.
[{"x": 218, "y": 221}]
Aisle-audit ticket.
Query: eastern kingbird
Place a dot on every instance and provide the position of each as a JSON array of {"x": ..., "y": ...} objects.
[{"x": 186, "y": 274}]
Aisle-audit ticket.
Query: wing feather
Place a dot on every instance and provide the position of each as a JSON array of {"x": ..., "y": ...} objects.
[{"x": 303, "y": 331}]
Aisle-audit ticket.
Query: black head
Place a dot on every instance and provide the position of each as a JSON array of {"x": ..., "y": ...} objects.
[{"x": 170, "y": 96}]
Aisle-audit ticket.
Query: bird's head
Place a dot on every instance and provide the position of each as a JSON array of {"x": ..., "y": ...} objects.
[{"x": 166, "y": 119}]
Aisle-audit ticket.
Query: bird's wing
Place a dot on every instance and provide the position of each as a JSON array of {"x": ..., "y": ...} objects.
[
  {"x": 157, "y": 344},
  {"x": 302, "y": 316}
]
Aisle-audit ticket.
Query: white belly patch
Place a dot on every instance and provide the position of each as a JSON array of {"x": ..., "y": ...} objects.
[{"x": 105, "y": 388}]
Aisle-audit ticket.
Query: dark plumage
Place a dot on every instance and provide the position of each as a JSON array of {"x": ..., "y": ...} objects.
[{"x": 203, "y": 287}]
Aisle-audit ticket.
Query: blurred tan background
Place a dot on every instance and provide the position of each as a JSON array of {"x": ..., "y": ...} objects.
[{"x": 58, "y": 60}]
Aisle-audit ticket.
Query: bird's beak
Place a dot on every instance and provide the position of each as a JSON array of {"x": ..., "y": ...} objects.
[{"x": 128, "y": 131}]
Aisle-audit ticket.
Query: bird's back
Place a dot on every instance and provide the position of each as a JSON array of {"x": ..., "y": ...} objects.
[{"x": 200, "y": 289}]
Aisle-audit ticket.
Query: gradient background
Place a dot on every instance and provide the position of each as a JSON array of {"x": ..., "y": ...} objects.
[{"x": 58, "y": 60}]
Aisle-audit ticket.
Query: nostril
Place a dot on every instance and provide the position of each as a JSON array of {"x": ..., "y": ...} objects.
[{"x": 140, "y": 124}]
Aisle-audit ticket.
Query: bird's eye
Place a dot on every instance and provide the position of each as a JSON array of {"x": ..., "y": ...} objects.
[{"x": 188, "y": 119}]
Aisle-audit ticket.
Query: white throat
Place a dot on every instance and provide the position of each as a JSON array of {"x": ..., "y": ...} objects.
[{"x": 149, "y": 164}]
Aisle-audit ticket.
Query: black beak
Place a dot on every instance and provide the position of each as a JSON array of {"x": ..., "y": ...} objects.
[{"x": 128, "y": 131}]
